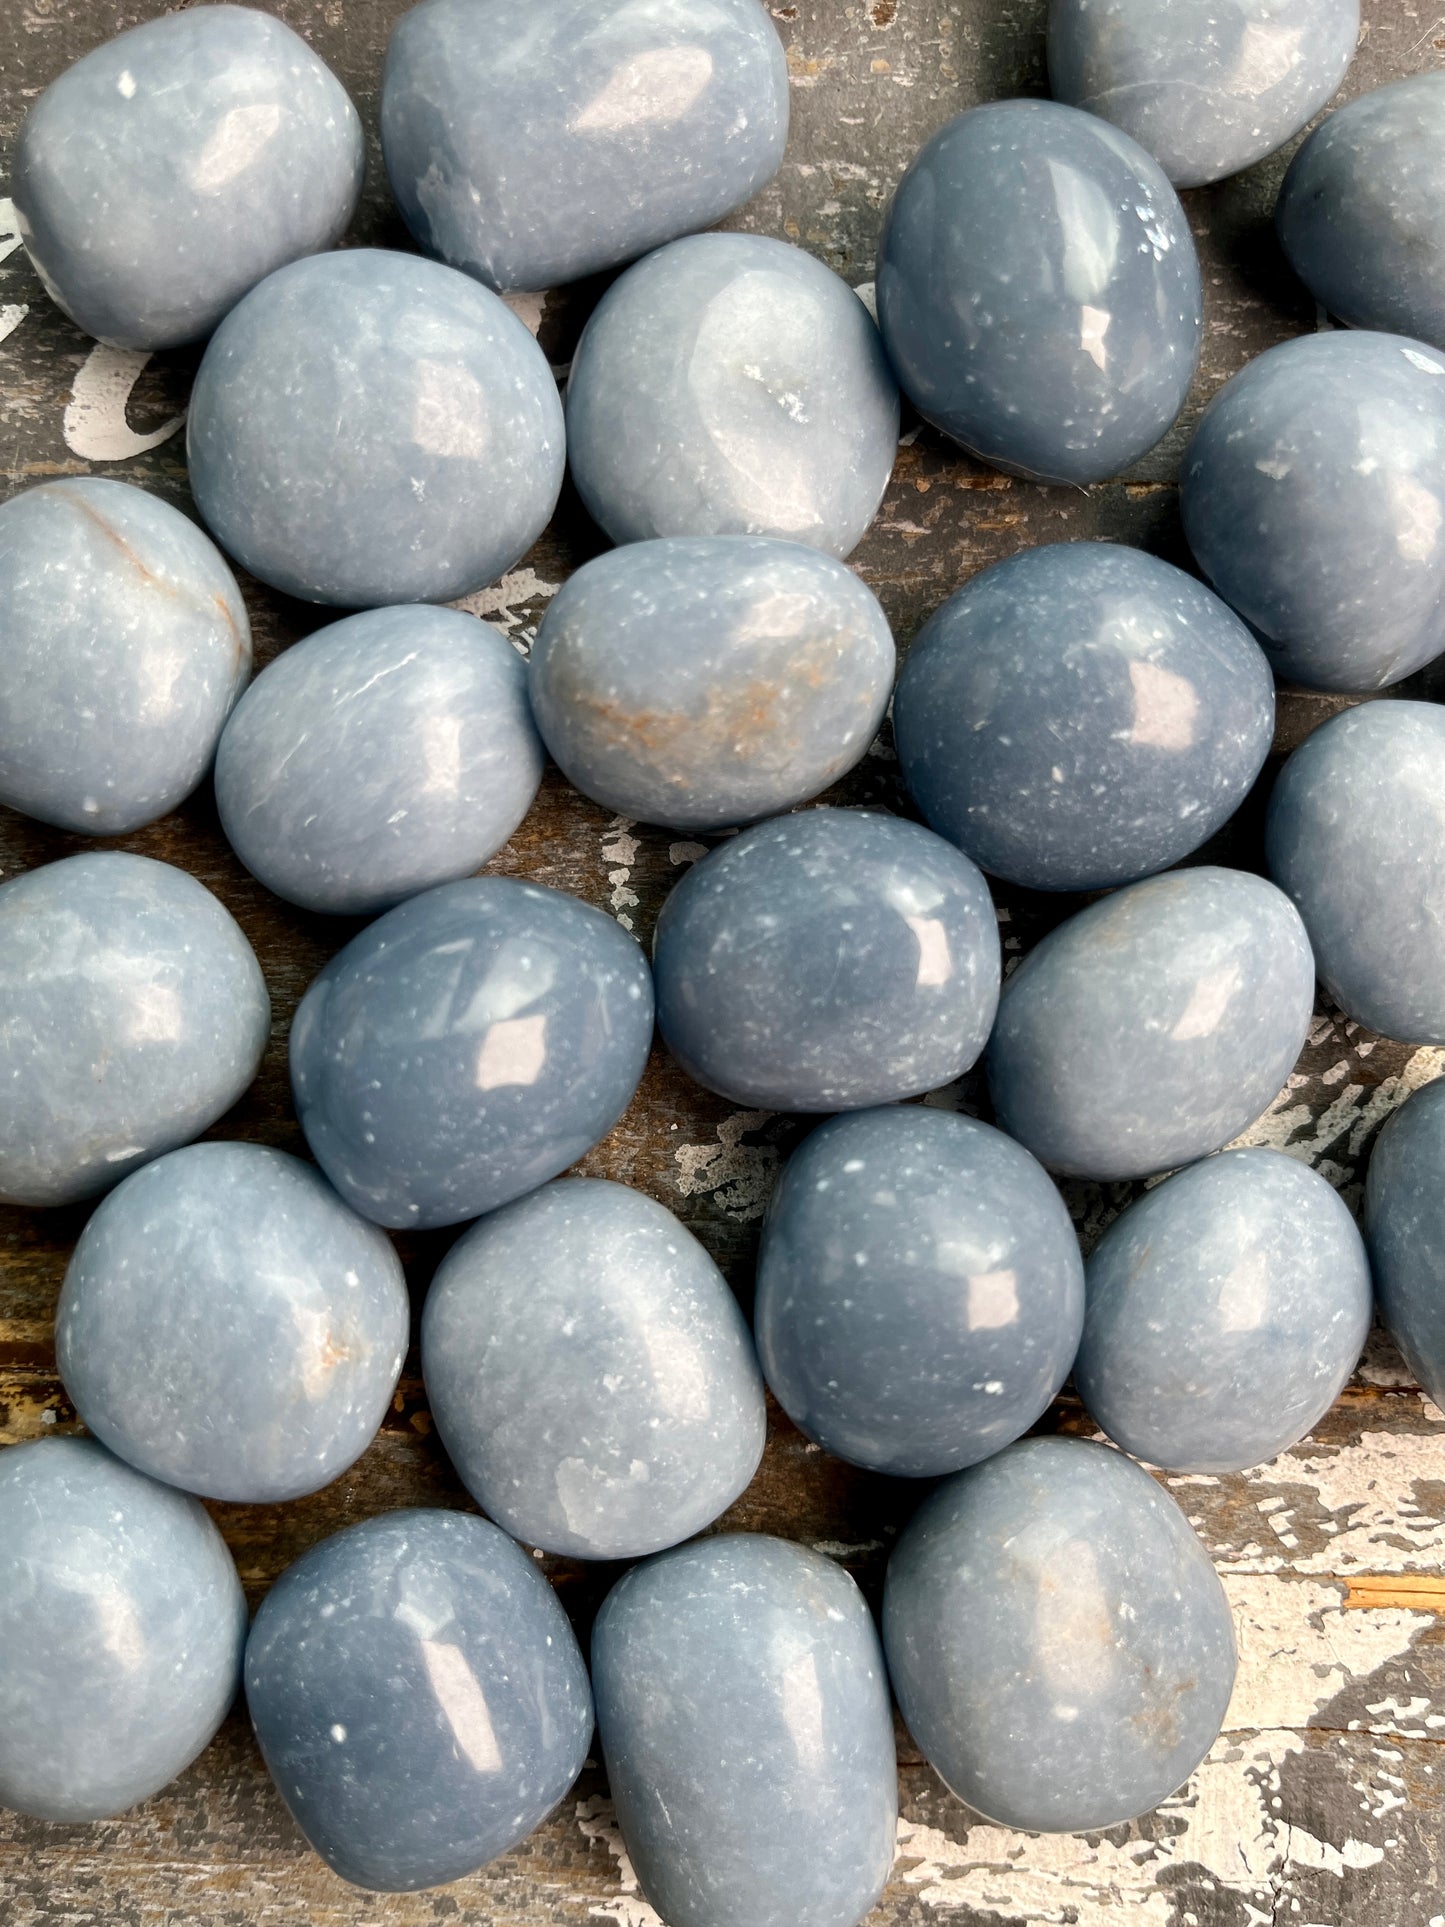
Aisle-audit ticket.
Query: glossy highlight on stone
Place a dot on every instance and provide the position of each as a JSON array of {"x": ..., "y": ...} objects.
[{"x": 1405, "y": 1231}]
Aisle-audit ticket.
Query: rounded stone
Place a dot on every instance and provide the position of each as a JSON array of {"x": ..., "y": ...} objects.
[
  {"x": 1039, "y": 292},
  {"x": 122, "y": 1624},
  {"x": 742, "y": 1705},
  {"x": 1059, "y": 1644},
  {"x": 827, "y": 961},
  {"x": 920, "y": 1291},
  {"x": 370, "y": 428},
  {"x": 386, "y": 753},
  {"x": 135, "y": 1014},
  {"x": 227, "y": 1325},
  {"x": 732, "y": 385},
  {"x": 1152, "y": 1027},
  {"x": 590, "y": 1373},
  {"x": 170, "y": 170},
  {"x": 1312, "y": 495},
  {"x": 418, "y": 1696},
  {"x": 701, "y": 683},
  {"x": 1082, "y": 715},
  {"x": 1405, "y": 1232},
  {"x": 531, "y": 150},
  {"x": 1226, "y": 1310},
  {"x": 468, "y": 1046},
  {"x": 126, "y": 643}
]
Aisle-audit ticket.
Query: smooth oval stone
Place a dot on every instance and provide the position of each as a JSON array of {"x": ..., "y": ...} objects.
[
  {"x": 418, "y": 1696},
  {"x": 1227, "y": 1308},
  {"x": 706, "y": 682},
  {"x": 1038, "y": 291},
  {"x": 1207, "y": 89},
  {"x": 590, "y": 1374},
  {"x": 732, "y": 385},
  {"x": 1081, "y": 715},
  {"x": 742, "y": 1705},
  {"x": 1152, "y": 1027},
  {"x": 827, "y": 961},
  {"x": 468, "y": 1046},
  {"x": 121, "y": 1629},
  {"x": 126, "y": 643},
  {"x": 1313, "y": 494},
  {"x": 173, "y": 168},
  {"x": 135, "y": 1014},
  {"x": 1405, "y": 1232},
  {"x": 532, "y": 149},
  {"x": 227, "y": 1325},
  {"x": 920, "y": 1291},
  {"x": 371, "y": 428},
  {"x": 1059, "y": 1643},
  {"x": 387, "y": 753}
]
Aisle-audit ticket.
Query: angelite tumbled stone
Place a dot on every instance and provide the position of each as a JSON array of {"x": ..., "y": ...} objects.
[
  {"x": 228, "y": 1325},
  {"x": 126, "y": 643},
  {"x": 1039, "y": 292},
  {"x": 743, "y": 1710},
  {"x": 1152, "y": 1027},
  {"x": 1081, "y": 715},
  {"x": 1227, "y": 1308},
  {"x": 1405, "y": 1232},
  {"x": 827, "y": 961},
  {"x": 468, "y": 1046},
  {"x": 1059, "y": 1644},
  {"x": 732, "y": 385},
  {"x": 418, "y": 1696},
  {"x": 1313, "y": 497},
  {"x": 387, "y": 753},
  {"x": 920, "y": 1291},
  {"x": 369, "y": 428},
  {"x": 705, "y": 682},
  {"x": 532, "y": 148},
  {"x": 173, "y": 168},
  {"x": 590, "y": 1373},
  {"x": 135, "y": 1014},
  {"x": 121, "y": 1629}
]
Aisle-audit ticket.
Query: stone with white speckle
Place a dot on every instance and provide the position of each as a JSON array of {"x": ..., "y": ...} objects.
[{"x": 1405, "y": 1231}]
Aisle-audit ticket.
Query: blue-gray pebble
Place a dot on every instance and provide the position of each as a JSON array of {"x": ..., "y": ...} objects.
[
  {"x": 468, "y": 1046},
  {"x": 1152, "y": 1027},
  {"x": 122, "y": 1624},
  {"x": 1082, "y": 715},
  {"x": 135, "y": 1014},
  {"x": 418, "y": 1696},
  {"x": 705, "y": 682},
  {"x": 1039, "y": 292},
  {"x": 1405, "y": 1231},
  {"x": 742, "y": 1705},
  {"x": 530, "y": 150},
  {"x": 371, "y": 428},
  {"x": 920, "y": 1291},
  {"x": 387, "y": 753},
  {"x": 827, "y": 961},
  {"x": 1059, "y": 1644},
  {"x": 732, "y": 385}
]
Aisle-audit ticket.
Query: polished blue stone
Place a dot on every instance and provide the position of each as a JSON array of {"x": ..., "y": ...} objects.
[
  {"x": 1152, "y": 1027},
  {"x": 468, "y": 1046},
  {"x": 920, "y": 1291},
  {"x": 1081, "y": 715},
  {"x": 135, "y": 1013},
  {"x": 532, "y": 147},
  {"x": 418, "y": 1696},
  {"x": 705, "y": 682},
  {"x": 371, "y": 428},
  {"x": 388, "y": 752},
  {"x": 1405, "y": 1231},
  {"x": 827, "y": 961},
  {"x": 1039, "y": 292},
  {"x": 742, "y": 1705},
  {"x": 121, "y": 1629},
  {"x": 1059, "y": 1644},
  {"x": 732, "y": 385}
]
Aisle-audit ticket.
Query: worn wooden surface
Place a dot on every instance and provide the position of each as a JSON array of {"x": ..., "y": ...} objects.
[{"x": 1324, "y": 1801}]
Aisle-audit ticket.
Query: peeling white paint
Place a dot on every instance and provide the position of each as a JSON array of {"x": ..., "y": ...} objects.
[
  {"x": 598, "y": 1821},
  {"x": 739, "y": 1176},
  {"x": 12, "y": 313},
  {"x": 95, "y": 427},
  {"x": 1345, "y": 1124},
  {"x": 619, "y": 849},
  {"x": 507, "y": 601},
  {"x": 1367, "y": 1491},
  {"x": 1298, "y": 1647}
]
